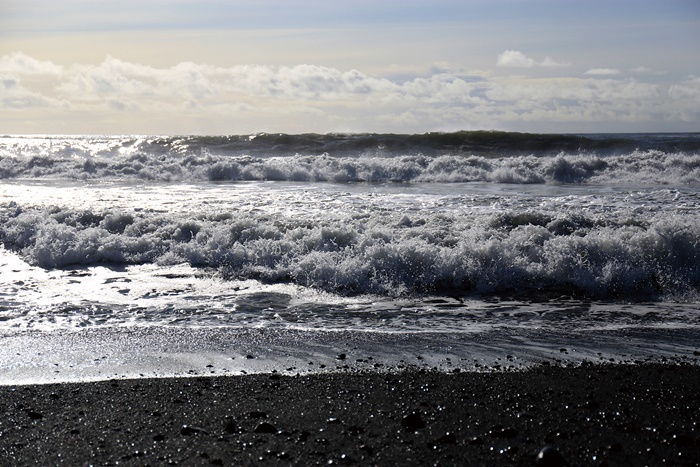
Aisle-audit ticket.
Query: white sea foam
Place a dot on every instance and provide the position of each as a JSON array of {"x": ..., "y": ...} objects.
[
  {"x": 642, "y": 168},
  {"x": 613, "y": 246}
]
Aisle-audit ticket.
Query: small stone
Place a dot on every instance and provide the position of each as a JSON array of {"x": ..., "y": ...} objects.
[
  {"x": 678, "y": 439},
  {"x": 265, "y": 427},
  {"x": 191, "y": 430},
  {"x": 550, "y": 457},
  {"x": 591, "y": 404},
  {"x": 448, "y": 438},
  {"x": 501, "y": 432},
  {"x": 341, "y": 356},
  {"x": 412, "y": 422},
  {"x": 34, "y": 415},
  {"x": 231, "y": 427}
]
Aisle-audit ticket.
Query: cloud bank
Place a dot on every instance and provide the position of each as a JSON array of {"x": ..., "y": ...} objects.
[{"x": 117, "y": 96}]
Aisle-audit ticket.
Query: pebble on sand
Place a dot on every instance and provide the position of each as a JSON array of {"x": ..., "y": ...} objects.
[
  {"x": 412, "y": 422},
  {"x": 550, "y": 457},
  {"x": 265, "y": 427}
]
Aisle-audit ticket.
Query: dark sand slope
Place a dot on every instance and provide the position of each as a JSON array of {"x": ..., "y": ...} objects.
[{"x": 594, "y": 415}]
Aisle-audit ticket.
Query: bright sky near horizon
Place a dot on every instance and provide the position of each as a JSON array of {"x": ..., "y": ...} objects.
[{"x": 244, "y": 66}]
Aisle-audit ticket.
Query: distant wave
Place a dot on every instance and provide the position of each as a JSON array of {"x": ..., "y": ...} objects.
[
  {"x": 428, "y": 158},
  {"x": 390, "y": 255},
  {"x": 484, "y": 143}
]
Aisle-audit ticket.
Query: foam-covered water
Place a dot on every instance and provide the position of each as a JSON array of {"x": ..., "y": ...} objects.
[{"x": 461, "y": 234}]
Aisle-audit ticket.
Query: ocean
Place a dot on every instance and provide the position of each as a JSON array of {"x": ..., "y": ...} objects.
[{"x": 132, "y": 256}]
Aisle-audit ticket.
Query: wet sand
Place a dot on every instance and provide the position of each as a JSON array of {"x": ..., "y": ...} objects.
[{"x": 626, "y": 414}]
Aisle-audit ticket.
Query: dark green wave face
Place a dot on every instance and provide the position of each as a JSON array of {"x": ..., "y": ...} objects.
[{"x": 486, "y": 143}]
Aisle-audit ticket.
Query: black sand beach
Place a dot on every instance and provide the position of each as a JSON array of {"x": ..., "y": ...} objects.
[{"x": 631, "y": 414}]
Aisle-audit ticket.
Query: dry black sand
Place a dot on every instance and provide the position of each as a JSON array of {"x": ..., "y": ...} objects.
[{"x": 592, "y": 415}]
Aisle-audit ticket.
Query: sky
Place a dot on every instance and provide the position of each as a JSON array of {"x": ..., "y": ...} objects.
[{"x": 401, "y": 66}]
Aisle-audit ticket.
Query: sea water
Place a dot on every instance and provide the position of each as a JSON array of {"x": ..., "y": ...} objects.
[{"x": 129, "y": 256}]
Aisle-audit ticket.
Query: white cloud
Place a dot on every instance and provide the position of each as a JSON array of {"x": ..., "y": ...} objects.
[
  {"x": 20, "y": 63},
  {"x": 687, "y": 90},
  {"x": 643, "y": 70},
  {"x": 513, "y": 58},
  {"x": 196, "y": 81},
  {"x": 14, "y": 95},
  {"x": 602, "y": 72},
  {"x": 517, "y": 59},
  {"x": 551, "y": 63}
]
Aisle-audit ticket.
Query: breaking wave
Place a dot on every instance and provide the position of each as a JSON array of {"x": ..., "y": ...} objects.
[
  {"x": 429, "y": 158},
  {"x": 393, "y": 255}
]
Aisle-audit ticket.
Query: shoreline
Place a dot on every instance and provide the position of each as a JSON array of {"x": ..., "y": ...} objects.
[
  {"x": 592, "y": 414},
  {"x": 36, "y": 357}
]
